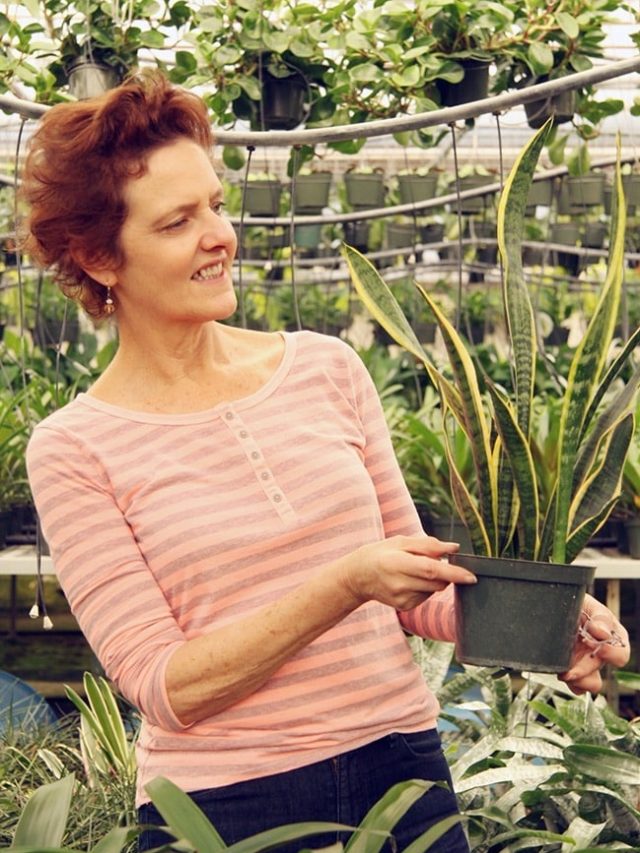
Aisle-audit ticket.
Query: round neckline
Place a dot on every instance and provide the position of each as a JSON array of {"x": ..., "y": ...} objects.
[{"x": 204, "y": 414}]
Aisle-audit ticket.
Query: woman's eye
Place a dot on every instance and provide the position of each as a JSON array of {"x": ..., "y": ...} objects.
[
  {"x": 217, "y": 206},
  {"x": 172, "y": 226}
]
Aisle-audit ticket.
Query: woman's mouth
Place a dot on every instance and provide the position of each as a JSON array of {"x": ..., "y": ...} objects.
[{"x": 210, "y": 272}]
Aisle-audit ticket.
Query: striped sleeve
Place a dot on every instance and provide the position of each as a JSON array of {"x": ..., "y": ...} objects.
[
  {"x": 435, "y": 618},
  {"x": 109, "y": 587}
]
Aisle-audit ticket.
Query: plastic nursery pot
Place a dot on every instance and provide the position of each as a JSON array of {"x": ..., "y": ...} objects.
[
  {"x": 632, "y": 530},
  {"x": 262, "y": 197},
  {"x": 364, "y": 189},
  {"x": 311, "y": 192},
  {"x": 474, "y": 86},
  {"x": 413, "y": 188},
  {"x": 89, "y": 79},
  {"x": 561, "y": 106},
  {"x": 521, "y": 614}
]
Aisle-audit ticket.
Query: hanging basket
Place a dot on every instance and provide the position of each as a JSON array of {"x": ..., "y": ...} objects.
[
  {"x": 415, "y": 188},
  {"x": 560, "y": 107},
  {"x": 401, "y": 235},
  {"x": 541, "y": 193},
  {"x": 311, "y": 192},
  {"x": 476, "y": 204},
  {"x": 88, "y": 79},
  {"x": 474, "y": 86},
  {"x": 283, "y": 105},
  {"x": 520, "y": 615},
  {"x": 262, "y": 197},
  {"x": 364, "y": 190}
]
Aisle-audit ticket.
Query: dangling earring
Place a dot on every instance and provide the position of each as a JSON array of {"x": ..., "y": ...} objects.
[{"x": 109, "y": 305}]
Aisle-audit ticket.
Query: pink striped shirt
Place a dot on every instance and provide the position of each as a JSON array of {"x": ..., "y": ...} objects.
[{"x": 164, "y": 526}]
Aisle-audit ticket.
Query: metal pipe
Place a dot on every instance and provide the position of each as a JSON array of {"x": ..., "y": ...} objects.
[{"x": 384, "y": 127}]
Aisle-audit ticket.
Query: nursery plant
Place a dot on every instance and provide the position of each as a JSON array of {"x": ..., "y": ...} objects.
[{"x": 509, "y": 518}]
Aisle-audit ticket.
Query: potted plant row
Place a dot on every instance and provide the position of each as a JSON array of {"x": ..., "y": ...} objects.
[{"x": 524, "y": 611}]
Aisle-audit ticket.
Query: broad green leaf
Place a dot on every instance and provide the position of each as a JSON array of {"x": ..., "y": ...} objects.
[
  {"x": 115, "y": 840},
  {"x": 530, "y": 774},
  {"x": 183, "y": 817},
  {"x": 603, "y": 763},
  {"x": 385, "y": 814},
  {"x": 233, "y": 157},
  {"x": 426, "y": 841},
  {"x": 44, "y": 818},
  {"x": 568, "y": 24},
  {"x": 540, "y": 58},
  {"x": 275, "y": 838}
]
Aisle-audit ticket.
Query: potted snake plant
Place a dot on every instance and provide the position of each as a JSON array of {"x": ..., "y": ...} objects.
[{"x": 524, "y": 611}]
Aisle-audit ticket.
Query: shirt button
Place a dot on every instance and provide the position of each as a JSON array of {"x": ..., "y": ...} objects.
[
  {"x": 229, "y": 416},
  {"x": 243, "y": 433},
  {"x": 277, "y": 498},
  {"x": 255, "y": 454},
  {"x": 265, "y": 475}
]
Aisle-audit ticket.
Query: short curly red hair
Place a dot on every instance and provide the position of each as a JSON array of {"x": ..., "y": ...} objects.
[{"x": 78, "y": 161}]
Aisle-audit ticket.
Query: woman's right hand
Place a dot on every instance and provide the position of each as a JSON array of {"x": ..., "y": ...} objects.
[{"x": 401, "y": 571}]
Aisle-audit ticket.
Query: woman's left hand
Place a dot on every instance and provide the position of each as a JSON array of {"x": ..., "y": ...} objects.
[{"x": 601, "y": 639}]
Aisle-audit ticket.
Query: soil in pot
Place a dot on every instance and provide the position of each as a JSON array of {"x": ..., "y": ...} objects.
[{"x": 520, "y": 615}]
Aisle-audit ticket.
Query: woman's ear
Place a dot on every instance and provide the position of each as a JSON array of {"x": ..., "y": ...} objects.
[{"x": 101, "y": 270}]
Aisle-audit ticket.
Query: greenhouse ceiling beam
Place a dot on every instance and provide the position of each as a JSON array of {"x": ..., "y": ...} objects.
[{"x": 383, "y": 127}]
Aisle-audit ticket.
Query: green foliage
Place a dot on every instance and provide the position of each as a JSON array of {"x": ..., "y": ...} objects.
[{"x": 596, "y": 421}]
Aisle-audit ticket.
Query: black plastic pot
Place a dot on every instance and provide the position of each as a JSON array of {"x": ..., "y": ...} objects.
[
  {"x": 520, "y": 615},
  {"x": 561, "y": 106},
  {"x": 632, "y": 531},
  {"x": 283, "y": 102},
  {"x": 474, "y": 86},
  {"x": 88, "y": 79}
]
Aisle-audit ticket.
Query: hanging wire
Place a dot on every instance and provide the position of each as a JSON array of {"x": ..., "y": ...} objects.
[
  {"x": 459, "y": 216},
  {"x": 40, "y": 604},
  {"x": 292, "y": 237},
  {"x": 243, "y": 315}
]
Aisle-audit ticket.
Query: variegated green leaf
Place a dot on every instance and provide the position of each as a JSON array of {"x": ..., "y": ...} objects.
[
  {"x": 475, "y": 423},
  {"x": 523, "y": 469},
  {"x": 616, "y": 407},
  {"x": 519, "y": 312},
  {"x": 586, "y": 371},
  {"x": 380, "y": 302},
  {"x": 603, "y": 763},
  {"x": 613, "y": 371},
  {"x": 604, "y": 483}
]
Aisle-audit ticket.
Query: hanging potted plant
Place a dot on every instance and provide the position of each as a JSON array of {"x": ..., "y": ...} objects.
[
  {"x": 310, "y": 193},
  {"x": 262, "y": 195},
  {"x": 416, "y": 185},
  {"x": 525, "y": 540},
  {"x": 365, "y": 188}
]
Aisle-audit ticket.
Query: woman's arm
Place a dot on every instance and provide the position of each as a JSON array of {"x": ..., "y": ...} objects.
[{"x": 212, "y": 672}]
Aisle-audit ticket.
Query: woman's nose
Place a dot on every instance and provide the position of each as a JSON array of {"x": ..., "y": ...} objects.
[{"x": 217, "y": 231}]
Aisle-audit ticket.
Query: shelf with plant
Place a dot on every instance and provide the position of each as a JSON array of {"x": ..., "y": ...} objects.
[{"x": 507, "y": 519}]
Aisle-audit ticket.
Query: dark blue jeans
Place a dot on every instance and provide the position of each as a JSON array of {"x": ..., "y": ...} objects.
[{"x": 341, "y": 790}]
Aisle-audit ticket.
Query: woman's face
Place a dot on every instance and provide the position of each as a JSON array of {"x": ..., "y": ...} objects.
[{"x": 178, "y": 247}]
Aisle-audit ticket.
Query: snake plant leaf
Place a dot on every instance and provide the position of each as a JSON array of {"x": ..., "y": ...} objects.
[
  {"x": 602, "y": 763},
  {"x": 523, "y": 469},
  {"x": 466, "y": 505},
  {"x": 44, "y": 818},
  {"x": 183, "y": 817},
  {"x": 586, "y": 371},
  {"x": 381, "y": 303},
  {"x": 604, "y": 482},
  {"x": 581, "y": 535},
  {"x": 476, "y": 423},
  {"x": 518, "y": 308},
  {"x": 614, "y": 370},
  {"x": 508, "y": 501},
  {"x": 617, "y": 407}
]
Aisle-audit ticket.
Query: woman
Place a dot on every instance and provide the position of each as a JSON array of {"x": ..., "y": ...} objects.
[{"x": 223, "y": 506}]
